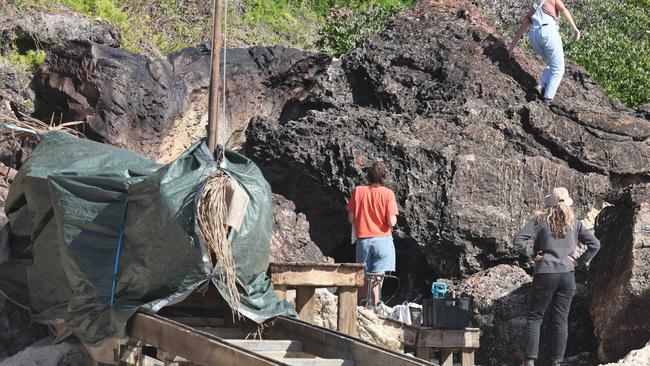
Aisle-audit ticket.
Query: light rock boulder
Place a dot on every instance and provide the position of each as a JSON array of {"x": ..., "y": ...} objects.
[
  {"x": 639, "y": 357},
  {"x": 45, "y": 353}
]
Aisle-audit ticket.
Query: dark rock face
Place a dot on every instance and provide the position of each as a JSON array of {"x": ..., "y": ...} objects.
[
  {"x": 470, "y": 148},
  {"x": 290, "y": 241},
  {"x": 16, "y": 100},
  {"x": 158, "y": 107},
  {"x": 620, "y": 275},
  {"x": 505, "y": 15},
  {"x": 28, "y": 31}
]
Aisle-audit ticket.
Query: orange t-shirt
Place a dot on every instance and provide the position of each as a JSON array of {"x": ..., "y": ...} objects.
[{"x": 371, "y": 205}]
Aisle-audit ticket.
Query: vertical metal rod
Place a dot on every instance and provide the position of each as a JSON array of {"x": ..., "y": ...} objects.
[{"x": 213, "y": 107}]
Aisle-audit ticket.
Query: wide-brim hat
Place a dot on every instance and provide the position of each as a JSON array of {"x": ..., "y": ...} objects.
[{"x": 557, "y": 195}]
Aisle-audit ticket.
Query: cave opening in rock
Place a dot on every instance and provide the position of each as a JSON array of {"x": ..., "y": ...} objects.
[{"x": 330, "y": 230}]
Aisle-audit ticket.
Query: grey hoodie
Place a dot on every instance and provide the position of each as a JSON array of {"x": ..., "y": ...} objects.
[{"x": 556, "y": 250}]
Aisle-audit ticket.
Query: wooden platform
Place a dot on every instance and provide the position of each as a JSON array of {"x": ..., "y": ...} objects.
[
  {"x": 428, "y": 341},
  {"x": 306, "y": 277}
]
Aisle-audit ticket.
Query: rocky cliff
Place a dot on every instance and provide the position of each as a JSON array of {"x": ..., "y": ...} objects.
[{"x": 470, "y": 147}]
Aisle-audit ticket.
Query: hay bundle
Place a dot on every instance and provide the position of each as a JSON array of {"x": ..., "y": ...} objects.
[
  {"x": 25, "y": 134},
  {"x": 211, "y": 219},
  {"x": 28, "y": 128}
]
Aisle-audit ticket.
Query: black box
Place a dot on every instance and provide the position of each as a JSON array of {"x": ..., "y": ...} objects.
[{"x": 446, "y": 312}]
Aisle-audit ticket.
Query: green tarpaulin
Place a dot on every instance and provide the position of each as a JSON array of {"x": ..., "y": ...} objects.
[{"x": 83, "y": 215}]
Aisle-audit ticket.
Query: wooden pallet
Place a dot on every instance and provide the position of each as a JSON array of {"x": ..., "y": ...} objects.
[{"x": 286, "y": 342}]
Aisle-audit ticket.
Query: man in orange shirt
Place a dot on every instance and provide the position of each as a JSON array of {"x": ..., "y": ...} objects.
[{"x": 372, "y": 210}]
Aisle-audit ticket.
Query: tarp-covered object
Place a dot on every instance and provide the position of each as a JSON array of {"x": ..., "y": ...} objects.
[{"x": 83, "y": 214}]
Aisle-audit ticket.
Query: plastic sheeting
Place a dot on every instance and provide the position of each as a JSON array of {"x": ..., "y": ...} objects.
[{"x": 98, "y": 233}]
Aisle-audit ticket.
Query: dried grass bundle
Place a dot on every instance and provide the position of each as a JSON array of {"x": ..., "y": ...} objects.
[
  {"x": 26, "y": 132},
  {"x": 211, "y": 219}
]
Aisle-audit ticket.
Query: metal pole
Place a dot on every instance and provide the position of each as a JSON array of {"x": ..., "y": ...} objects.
[{"x": 213, "y": 107}]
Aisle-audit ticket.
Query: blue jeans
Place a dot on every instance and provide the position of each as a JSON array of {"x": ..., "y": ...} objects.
[
  {"x": 377, "y": 253},
  {"x": 546, "y": 41}
]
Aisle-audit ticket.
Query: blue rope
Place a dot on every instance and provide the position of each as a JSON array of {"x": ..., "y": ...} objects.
[{"x": 117, "y": 252}]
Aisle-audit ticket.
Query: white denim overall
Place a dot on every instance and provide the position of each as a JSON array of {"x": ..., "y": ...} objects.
[{"x": 545, "y": 38}]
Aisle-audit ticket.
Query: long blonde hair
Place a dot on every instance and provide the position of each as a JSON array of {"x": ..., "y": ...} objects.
[{"x": 560, "y": 219}]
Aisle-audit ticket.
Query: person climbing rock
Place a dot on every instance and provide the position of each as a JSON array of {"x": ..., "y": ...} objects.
[
  {"x": 545, "y": 38},
  {"x": 555, "y": 232},
  {"x": 372, "y": 210}
]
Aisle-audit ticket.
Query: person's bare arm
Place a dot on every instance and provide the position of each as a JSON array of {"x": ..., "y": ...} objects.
[
  {"x": 523, "y": 27},
  {"x": 350, "y": 217},
  {"x": 567, "y": 14},
  {"x": 392, "y": 220}
]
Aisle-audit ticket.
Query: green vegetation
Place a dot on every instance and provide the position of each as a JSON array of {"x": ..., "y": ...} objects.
[
  {"x": 331, "y": 26},
  {"x": 27, "y": 61},
  {"x": 170, "y": 25},
  {"x": 344, "y": 27},
  {"x": 615, "y": 47}
]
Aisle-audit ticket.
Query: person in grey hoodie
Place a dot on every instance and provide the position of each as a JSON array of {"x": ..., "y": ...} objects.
[{"x": 555, "y": 233}]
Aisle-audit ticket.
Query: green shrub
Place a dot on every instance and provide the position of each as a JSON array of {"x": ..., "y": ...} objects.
[
  {"x": 29, "y": 60},
  {"x": 345, "y": 26},
  {"x": 615, "y": 47}
]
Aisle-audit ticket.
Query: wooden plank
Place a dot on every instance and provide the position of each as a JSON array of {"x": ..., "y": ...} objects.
[
  {"x": 328, "y": 344},
  {"x": 285, "y": 354},
  {"x": 347, "y": 310},
  {"x": 448, "y": 338},
  {"x": 305, "y": 303},
  {"x": 191, "y": 344},
  {"x": 225, "y": 333},
  {"x": 467, "y": 357},
  {"x": 446, "y": 357},
  {"x": 268, "y": 345},
  {"x": 280, "y": 292},
  {"x": 316, "y": 362},
  {"x": 317, "y": 275},
  {"x": 350, "y": 266},
  {"x": 195, "y": 321}
]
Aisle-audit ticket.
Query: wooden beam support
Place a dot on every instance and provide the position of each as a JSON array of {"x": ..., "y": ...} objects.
[
  {"x": 448, "y": 338},
  {"x": 347, "y": 310},
  {"x": 280, "y": 292},
  {"x": 213, "y": 103},
  {"x": 467, "y": 357},
  {"x": 317, "y": 274},
  {"x": 305, "y": 303},
  {"x": 191, "y": 344},
  {"x": 446, "y": 357}
]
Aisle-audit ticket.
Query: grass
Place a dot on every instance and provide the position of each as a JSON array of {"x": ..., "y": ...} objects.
[
  {"x": 615, "y": 47},
  {"x": 28, "y": 61},
  {"x": 170, "y": 25}
]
